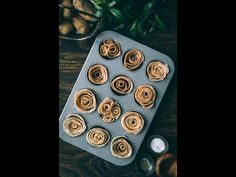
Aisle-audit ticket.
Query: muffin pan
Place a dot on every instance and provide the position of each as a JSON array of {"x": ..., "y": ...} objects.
[{"x": 113, "y": 72}]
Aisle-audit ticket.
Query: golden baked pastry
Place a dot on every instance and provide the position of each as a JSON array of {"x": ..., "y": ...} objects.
[
  {"x": 109, "y": 49},
  {"x": 122, "y": 85},
  {"x": 145, "y": 96},
  {"x": 85, "y": 101},
  {"x": 74, "y": 125},
  {"x": 109, "y": 110},
  {"x": 157, "y": 71},
  {"x": 97, "y": 137},
  {"x": 121, "y": 148},
  {"x": 133, "y": 59},
  {"x": 97, "y": 74},
  {"x": 166, "y": 165},
  {"x": 86, "y": 6},
  {"x": 172, "y": 172},
  {"x": 132, "y": 122}
]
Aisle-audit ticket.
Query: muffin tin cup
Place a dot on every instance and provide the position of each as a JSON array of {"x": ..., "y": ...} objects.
[
  {"x": 127, "y": 102},
  {"x": 98, "y": 126}
]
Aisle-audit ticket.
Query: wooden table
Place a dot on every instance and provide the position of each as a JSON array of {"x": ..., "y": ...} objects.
[{"x": 74, "y": 162}]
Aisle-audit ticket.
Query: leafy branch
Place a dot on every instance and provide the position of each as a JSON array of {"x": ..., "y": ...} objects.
[{"x": 131, "y": 17}]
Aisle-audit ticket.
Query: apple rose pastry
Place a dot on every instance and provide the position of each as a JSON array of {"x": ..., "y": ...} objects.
[
  {"x": 97, "y": 137},
  {"x": 97, "y": 74},
  {"x": 133, "y": 59},
  {"x": 157, "y": 71},
  {"x": 74, "y": 125},
  {"x": 132, "y": 122},
  {"x": 145, "y": 96},
  {"x": 121, "y": 148},
  {"x": 109, "y": 49},
  {"x": 122, "y": 85},
  {"x": 85, "y": 101},
  {"x": 109, "y": 110}
]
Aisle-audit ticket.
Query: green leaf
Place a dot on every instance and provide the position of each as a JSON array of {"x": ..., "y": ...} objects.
[
  {"x": 99, "y": 13},
  {"x": 133, "y": 26},
  {"x": 148, "y": 7},
  {"x": 139, "y": 28},
  {"x": 128, "y": 11},
  {"x": 119, "y": 27},
  {"x": 113, "y": 2},
  {"x": 97, "y": 7},
  {"x": 160, "y": 24},
  {"x": 97, "y": 2},
  {"x": 100, "y": 4},
  {"x": 118, "y": 14},
  {"x": 133, "y": 31},
  {"x": 133, "y": 34},
  {"x": 153, "y": 24}
]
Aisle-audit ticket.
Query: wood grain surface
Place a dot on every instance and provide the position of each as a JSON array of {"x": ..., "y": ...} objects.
[{"x": 74, "y": 162}]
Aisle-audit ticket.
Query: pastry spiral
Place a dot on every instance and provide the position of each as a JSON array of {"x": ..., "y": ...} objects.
[
  {"x": 145, "y": 96},
  {"x": 109, "y": 110},
  {"x": 109, "y": 49},
  {"x": 132, "y": 122},
  {"x": 97, "y": 74},
  {"x": 122, "y": 85},
  {"x": 157, "y": 71},
  {"x": 120, "y": 148},
  {"x": 97, "y": 137},
  {"x": 133, "y": 59},
  {"x": 85, "y": 101},
  {"x": 74, "y": 125}
]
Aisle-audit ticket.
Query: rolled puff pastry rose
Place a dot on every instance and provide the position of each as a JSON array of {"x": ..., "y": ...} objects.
[
  {"x": 85, "y": 101},
  {"x": 121, "y": 148},
  {"x": 97, "y": 74},
  {"x": 122, "y": 85},
  {"x": 145, "y": 96},
  {"x": 109, "y": 110},
  {"x": 132, "y": 122},
  {"x": 74, "y": 125},
  {"x": 109, "y": 49},
  {"x": 133, "y": 59},
  {"x": 157, "y": 71},
  {"x": 98, "y": 137}
]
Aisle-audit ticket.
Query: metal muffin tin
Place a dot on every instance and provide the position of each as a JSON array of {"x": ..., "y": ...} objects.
[{"x": 127, "y": 102}]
